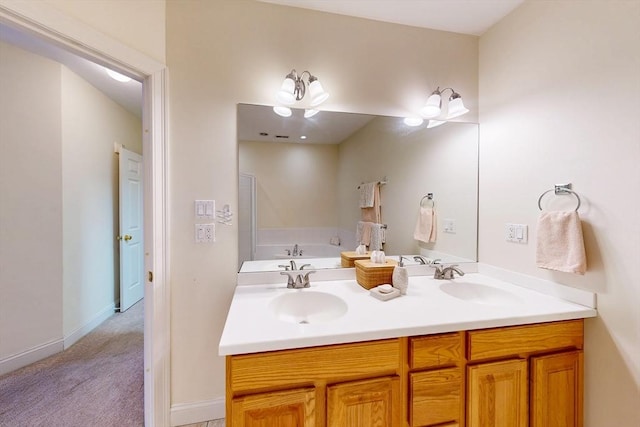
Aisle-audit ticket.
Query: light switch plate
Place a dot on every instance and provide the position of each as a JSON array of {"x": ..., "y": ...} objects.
[
  {"x": 449, "y": 225},
  {"x": 518, "y": 233},
  {"x": 205, "y": 209}
]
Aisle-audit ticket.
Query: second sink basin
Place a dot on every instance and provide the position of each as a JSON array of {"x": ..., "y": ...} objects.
[
  {"x": 302, "y": 306},
  {"x": 478, "y": 293}
]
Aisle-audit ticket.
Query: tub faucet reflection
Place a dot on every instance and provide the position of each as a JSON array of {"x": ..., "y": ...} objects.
[{"x": 295, "y": 250}]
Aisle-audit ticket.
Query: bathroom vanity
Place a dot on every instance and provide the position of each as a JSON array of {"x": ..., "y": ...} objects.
[{"x": 489, "y": 353}]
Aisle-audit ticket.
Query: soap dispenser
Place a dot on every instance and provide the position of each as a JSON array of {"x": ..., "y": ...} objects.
[{"x": 400, "y": 277}]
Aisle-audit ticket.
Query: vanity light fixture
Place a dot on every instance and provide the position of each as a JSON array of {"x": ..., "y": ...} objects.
[
  {"x": 433, "y": 107},
  {"x": 434, "y": 123},
  {"x": 294, "y": 89}
]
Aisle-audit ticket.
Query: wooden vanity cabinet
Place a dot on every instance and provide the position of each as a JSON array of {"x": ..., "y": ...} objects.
[
  {"x": 355, "y": 385},
  {"x": 526, "y": 375},
  {"x": 515, "y": 376}
]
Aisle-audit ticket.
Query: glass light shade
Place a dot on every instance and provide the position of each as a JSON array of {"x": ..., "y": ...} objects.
[
  {"x": 456, "y": 108},
  {"x": 317, "y": 93},
  {"x": 117, "y": 76},
  {"x": 282, "y": 111},
  {"x": 432, "y": 107},
  {"x": 286, "y": 93},
  {"x": 310, "y": 113},
  {"x": 413, "y": 121},
  {"x": 434, "y": 123}
]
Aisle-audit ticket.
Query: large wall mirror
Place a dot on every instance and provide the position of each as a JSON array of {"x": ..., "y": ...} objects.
[{"x": 299, "y": 179}]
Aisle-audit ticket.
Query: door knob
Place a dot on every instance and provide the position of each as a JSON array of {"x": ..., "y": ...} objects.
[{"x": 126, "y": 237}]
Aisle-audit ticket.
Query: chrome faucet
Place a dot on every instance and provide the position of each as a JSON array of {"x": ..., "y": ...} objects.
[
  {"x": 425, "y": 261},
  {"x": 446, "y": 273},
  {"x": 293, "y": 265},
  {"x": 298, "y": 279},
  {"x": 295, "y": 250}
]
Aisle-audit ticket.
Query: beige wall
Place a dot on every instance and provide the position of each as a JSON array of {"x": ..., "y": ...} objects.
[
  {"x": 415, "y": 161},
  {"x": 139, "y": 24},
  {"x": 58, "y": 202},
  {"x": 295, "y": 183},
  {"x": 30, "y": 202},
  {"x": 221, "y": 53},
  {"x": 559, "y": 91},
  {"x": 91, "y": 124}
]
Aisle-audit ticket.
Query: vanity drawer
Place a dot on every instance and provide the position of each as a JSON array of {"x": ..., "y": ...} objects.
[
  {"x": 287, "y": 368},
  {"x": 436, "y": 351},
  {"x": 436, "y": 397},
  {"x": 525, "y": 340}
]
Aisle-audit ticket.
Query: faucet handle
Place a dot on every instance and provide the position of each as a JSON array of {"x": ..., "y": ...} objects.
[{"x": 306, "y": 282}]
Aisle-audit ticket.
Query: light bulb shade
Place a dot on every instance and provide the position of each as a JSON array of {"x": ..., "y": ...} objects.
[
  {"x": 282, "y": 111},
  {"x": 413, "y": 121},
  {"x": 456, "y": 108},
  {"x": 434, "y": 123},
  {"x": 432, "y": 107},
  {"x": 317, "y": 93},
  {"x": 310, "y": 113},
  {"x": 286, "y": 93}
]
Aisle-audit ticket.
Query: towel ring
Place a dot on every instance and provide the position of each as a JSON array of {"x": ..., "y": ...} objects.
[
  {"x": 429, "y": 196},
  {"x": 560, "y": 189}
]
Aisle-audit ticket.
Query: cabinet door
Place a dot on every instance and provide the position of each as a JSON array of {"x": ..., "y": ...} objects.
[
  {"x": 292, "y": 408},
  {"x": 368, "y": 403},
  {"x": 556, "y": 390},
  {"x": 497, "y": 394}
]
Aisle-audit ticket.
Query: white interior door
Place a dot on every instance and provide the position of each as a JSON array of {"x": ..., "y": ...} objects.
[{"x": 131, "y": 238}]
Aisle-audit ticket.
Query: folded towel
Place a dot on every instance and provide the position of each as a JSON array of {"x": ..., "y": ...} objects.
[
  {"x": 377, "y": 237},
  {"x": 367, "y": 193},
  {"x": 560, "y": 245},
  {"x": 425, "y": 230},
  {"x": 374, "y": 213},
  {"x": 363, "y": 232}
]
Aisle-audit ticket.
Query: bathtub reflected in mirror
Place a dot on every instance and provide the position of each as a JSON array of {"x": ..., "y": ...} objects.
[{"x": 295, "y": 191}]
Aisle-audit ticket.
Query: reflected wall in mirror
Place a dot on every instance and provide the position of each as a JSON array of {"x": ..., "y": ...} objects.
[{"x": 299, "y": 197}]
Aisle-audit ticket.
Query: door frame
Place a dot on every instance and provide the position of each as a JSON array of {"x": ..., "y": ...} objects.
[{"x": 73, "y": 35}]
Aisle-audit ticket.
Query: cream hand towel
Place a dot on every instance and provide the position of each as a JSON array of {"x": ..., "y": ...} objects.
[
  {"x": 367, "y": 192},
  {"x": 560, "y": 245},
  {"x": 425, "y": 230}
]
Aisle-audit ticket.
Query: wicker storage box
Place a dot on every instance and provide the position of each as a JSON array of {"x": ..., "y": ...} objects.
[
  {"x": 369, "y": 275},
  {"x": 348, "y": 258}
]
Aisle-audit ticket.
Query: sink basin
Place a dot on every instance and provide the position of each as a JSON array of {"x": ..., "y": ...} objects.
[
  {"x": 477, "y": 293},
  {"x": 302, "y": 306}
]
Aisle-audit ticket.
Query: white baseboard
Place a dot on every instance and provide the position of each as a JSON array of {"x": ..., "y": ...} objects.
[
  {"x": 30, "y": 356},
  {"x": 89, "y": 326},
  {"x": 191, "y": 413}
]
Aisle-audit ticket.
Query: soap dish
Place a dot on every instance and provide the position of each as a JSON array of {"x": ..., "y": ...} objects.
[{"x": 375, "y": 292}]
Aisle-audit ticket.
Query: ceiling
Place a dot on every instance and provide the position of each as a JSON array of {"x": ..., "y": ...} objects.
[
  {"x": 459, "y": 16},
  {"x": 128, "y": 95},
  {"x": 260, "y": 123}
]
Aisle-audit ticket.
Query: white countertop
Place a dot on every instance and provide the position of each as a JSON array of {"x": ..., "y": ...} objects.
[{"x": 252, "y": 327}]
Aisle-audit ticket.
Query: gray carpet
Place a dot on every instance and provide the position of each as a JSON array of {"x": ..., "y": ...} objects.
[{"x": 98, "y": 381}]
